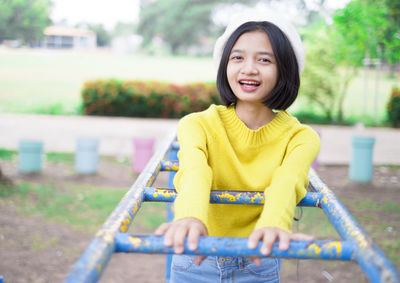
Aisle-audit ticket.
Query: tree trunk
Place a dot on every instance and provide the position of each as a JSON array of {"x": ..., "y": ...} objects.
[
  {"x": 348, "y": 77},
  {"x": 3, "y": 179}
]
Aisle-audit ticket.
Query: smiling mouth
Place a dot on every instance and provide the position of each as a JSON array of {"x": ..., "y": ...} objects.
[{"x": 248, "y": 83}]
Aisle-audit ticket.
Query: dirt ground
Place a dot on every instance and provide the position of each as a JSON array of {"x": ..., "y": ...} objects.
[{"x": 33, "y": 250}]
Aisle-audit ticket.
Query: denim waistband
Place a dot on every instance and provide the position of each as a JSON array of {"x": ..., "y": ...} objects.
[{"x": 226, "y": 261}]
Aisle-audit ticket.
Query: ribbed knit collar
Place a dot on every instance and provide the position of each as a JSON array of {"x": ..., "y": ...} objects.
[{"x": 240, "y": 133}]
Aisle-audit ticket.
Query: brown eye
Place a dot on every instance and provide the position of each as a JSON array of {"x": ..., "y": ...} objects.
[
  {"x": 237, "y": 57},
  {"x": 265, "y": 60}
]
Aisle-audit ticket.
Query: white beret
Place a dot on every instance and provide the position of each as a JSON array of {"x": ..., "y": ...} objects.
[{"x": 256, "y": 16}]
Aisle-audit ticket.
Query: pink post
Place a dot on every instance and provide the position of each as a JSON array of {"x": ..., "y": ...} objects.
[{"x": 142, "y": 154}]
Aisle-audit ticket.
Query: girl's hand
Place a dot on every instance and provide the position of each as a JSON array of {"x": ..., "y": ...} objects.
[
  {"x": 268, "y": 236},
  {"x": 175, "y": 233}
]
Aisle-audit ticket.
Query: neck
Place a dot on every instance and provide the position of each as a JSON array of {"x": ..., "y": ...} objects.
[{"x": 253, "y": 115}]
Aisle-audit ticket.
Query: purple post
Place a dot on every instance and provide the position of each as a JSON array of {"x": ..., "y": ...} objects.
[{"x": 142, "y": 154}]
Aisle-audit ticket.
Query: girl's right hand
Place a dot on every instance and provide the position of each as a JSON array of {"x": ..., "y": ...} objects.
[{"x": 176, "y": 232}]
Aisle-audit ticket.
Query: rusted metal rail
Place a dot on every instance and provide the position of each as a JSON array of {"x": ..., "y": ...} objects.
[{"x": 112, "y": 237}]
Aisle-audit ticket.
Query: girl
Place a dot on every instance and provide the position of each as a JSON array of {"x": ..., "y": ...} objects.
[{"x": 250, "y": 144}]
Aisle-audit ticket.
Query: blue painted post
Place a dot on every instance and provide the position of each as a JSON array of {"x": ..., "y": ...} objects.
[
  {"x": 1, "y": 279},
  {"x": 30, "y": 156},
  {"x": 361, "y": 166},
  {"x": 86, "y": 156},
  {"x": 172, "y": 156}
]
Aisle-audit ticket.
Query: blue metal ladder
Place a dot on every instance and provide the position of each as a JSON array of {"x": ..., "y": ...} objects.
[{"x": 112, "y": 237}]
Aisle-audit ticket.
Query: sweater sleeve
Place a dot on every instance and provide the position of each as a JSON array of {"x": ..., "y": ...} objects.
[
  {"x": 289, "y": 181},
  {"x": 194, "y": 177}
]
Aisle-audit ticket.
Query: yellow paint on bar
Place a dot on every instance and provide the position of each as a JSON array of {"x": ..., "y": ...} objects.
[
  {"x": 337, "y": 245},
  {"x": 135, "y": 241},
  {"x": 314, "y": 247}
]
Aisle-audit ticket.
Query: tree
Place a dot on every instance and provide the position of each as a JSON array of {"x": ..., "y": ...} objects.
[
  {"x": 181, "y": 23},
  {"x": 392, "y": 32},
  {"x": 363, "y": 28},
  {"x": 178, "y": 21},
  {"x": 359, "y": 30},
  {"x": 103, "y": 37},
  {"x": 123, "y": 29},
  {"x": 318, "y": 84},
  {"x": 24, "y": 19},
  {"x": 324, "y": 81}
]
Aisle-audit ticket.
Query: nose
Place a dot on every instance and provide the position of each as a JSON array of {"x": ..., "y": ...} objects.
[{"x": 249, "y": 67}]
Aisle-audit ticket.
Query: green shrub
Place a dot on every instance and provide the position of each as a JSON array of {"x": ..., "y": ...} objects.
[
  {"x": 393, "y": 108},
  {"x": 146, "y": 98}
]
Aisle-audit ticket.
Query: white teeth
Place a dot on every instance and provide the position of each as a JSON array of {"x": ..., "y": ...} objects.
[{"x": 249, "y": 82}]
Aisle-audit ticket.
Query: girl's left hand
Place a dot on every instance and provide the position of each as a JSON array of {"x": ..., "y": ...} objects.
[{"x": 268, "y": 236}]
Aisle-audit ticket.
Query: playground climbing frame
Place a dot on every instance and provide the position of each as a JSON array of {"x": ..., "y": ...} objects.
[{"x": 112, "y": 237}]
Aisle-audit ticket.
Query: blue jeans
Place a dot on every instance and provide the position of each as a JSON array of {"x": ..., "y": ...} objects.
[{"x": 223, "y": 270}]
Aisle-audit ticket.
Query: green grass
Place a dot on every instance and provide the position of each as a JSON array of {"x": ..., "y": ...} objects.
[
  {"x": 6, "y": 154},
  {"x": 81, "y": 206},
  {"x": 52, "y": 157},
  {"x": 49, "y": 82},
  {"x": 307, "y": 224},
  {"x": 151, "y": 215},
  {"x": 60, "y": 157}
]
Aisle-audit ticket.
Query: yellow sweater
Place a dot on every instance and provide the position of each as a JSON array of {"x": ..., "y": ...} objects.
[{"x": 218, "y": 152}]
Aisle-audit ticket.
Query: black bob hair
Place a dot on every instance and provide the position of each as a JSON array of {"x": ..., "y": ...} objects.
[{"x": 287, "y": 86}]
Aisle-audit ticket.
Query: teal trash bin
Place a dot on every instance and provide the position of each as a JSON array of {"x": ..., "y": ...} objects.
[
  {"x": 30, "y": 156},
  {"x": 86, "y": 156},
  {"x": 361, "y": 166}
]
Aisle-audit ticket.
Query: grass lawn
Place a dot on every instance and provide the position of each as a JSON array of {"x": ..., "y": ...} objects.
[
  {"x": 46, "y": 81},
  {"x": 49, "y": 82}
]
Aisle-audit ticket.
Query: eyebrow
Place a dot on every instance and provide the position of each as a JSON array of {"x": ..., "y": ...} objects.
[{"x": 260, "y": 52}]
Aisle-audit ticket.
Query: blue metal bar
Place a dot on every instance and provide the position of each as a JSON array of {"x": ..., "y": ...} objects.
[
  {"x": 168, "y": 165},
  {"x": 172, "y": 155},
  {"x": 228, "y": 197},
  {"x": 92, "y": 262},
  {"x": 370, "y": 258},
  {"x": 224, "y": 246},
  {"x": 175, "y": 146}
]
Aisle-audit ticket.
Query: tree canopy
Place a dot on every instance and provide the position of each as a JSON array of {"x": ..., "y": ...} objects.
[
  {"x": 181, "y": 23},
  {"x": 367, "y": 28},
  {"x": 24, "y": 19}
]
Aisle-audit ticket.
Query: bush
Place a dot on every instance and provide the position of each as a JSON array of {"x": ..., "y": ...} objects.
[
  {"x": 393, "y": 108},
  {"x": 146, "y": 98}
]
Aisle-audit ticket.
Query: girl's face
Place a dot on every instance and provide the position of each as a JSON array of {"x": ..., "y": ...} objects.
[{"x": 252, "y": 71}]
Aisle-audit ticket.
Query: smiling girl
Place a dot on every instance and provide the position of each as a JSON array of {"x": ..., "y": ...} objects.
[{"x": 249, "y": 144}]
